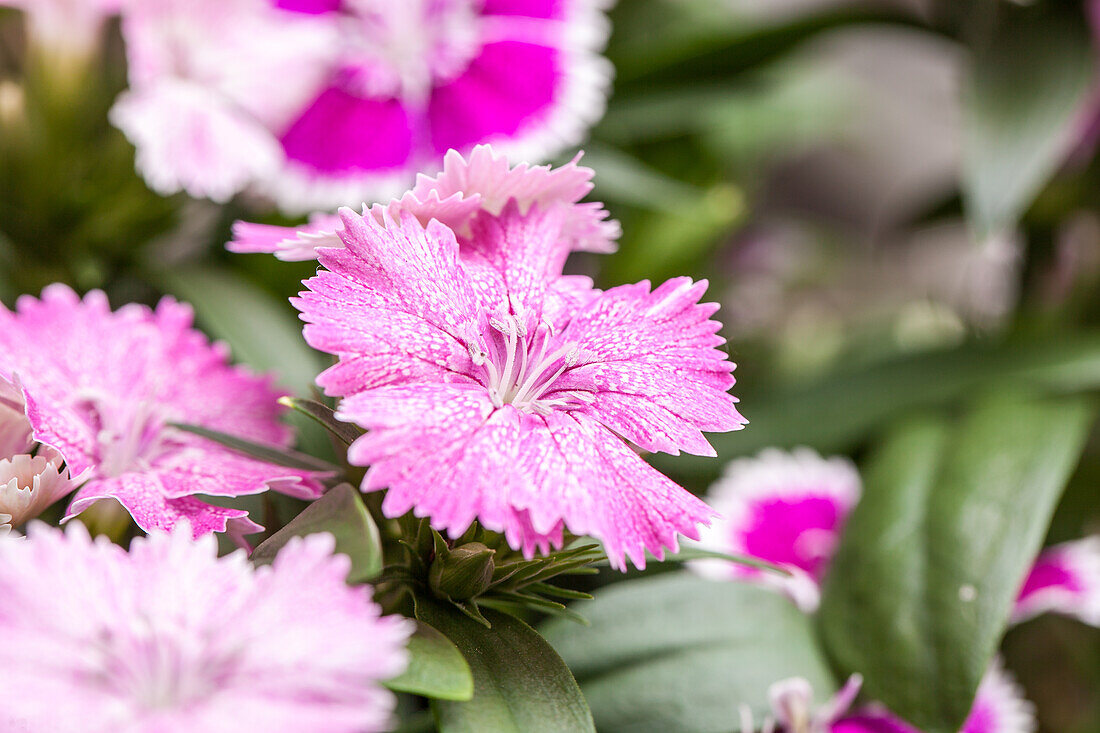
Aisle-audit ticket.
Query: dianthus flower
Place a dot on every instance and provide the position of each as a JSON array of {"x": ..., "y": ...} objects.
[
  {"x": 32, "y": 476},
  {"x": 790, "y": 509},
  {"x": 170, "y": 638},
  {"x": 103, "y": 389},
  {"x": 999, "y": 707},
  {"x": 495, "y": 389},
  {"x": 785, "y": 508},
  {"x": 482, "y": 181},
  {"x": 367, "y": 91}
]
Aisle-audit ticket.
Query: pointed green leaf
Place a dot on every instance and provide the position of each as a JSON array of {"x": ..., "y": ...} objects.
[
  {"x": 1031, "y": 76},
  {"x": 271, "y": 454},
  {"x": 520, "y": 683},
  {"x": 676, "y": 653},
  {"x": 324, "y": 416},
  {"x": 931, "y": 560},
  {"x": 436, "y": 668},
  {"x": 339, "y": 511}
]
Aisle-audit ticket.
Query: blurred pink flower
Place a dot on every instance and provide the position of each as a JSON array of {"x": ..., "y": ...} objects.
[
  {"x": 999, "y": 707},
  {"x": 790, "y": 508},
  {"x": 103, "y": 388},
  {"x": 784, "y": 508},
  {"x": 211, "y": 83},
  {"x": 483, "y": 181},
  {"x": 495, "y": 389},
  {"x": 323, "y": 103},
  {"x": 170, "y": 638},
  {"x": 1065, "y": 579}
]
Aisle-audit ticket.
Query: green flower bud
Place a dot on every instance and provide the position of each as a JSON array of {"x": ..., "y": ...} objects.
[{"x": 462, "y": 573}]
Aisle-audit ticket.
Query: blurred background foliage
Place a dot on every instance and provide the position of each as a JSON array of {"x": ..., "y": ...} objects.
[{"x": 897, "y": 204}]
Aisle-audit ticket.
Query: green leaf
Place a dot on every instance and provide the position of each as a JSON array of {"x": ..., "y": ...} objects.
[
  {"x": 678, "y": 653},
  {"x": 436, "y": 668},
  {"x": 520, "y": 683},
  {"x": 931, "y": 560},
  {"x": 341, "y": 512},
  {"x": 271, "y": 454},
  {"x": 260, "y": 329},
  {"x": 324, "y": 416},
  {"x": 1030, "y": 78}
]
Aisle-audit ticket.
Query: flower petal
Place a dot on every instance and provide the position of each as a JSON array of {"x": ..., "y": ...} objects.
[{"x": 1064, "y": 579}]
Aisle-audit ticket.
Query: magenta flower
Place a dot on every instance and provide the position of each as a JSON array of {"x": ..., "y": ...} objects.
[
  {"x": 785, "y": 508},
  {"x": 103, "y": 388},
  {"x": 483, "y": 182},
  {"x": 169, "y": 638},
  {"x": 790, "y": 509},
  {"x": 999, "y": 707},
  {"x": 211, "y": 81},
  {"x": 495, "y": 389},
  {"x": 366, "y": 92},
  {"x": 1066, "y": 580}
]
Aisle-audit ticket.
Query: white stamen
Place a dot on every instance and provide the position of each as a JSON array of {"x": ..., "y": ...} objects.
[{"x": 519, "y": 369}]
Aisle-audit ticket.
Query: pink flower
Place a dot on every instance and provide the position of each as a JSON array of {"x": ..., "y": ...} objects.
[
  {"x": 169, "y": 638},
  {"x": 482, "y": 182},
  {"x": 1065, "y": 579},
  {"x": 999, "y": 707},
  {"x": 790, "y": 509},
  {"x": 28, "y": 483},
  {"x": 211, "y": 83},
  {"x": 366, "y": 92},
  {"x": 102, "y": 388},
  {"x": 495, "y": 389},
  {"x": 785, "y": 508}
]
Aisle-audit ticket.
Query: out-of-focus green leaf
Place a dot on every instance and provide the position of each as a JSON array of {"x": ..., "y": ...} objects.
[
  {"x": 1030, "y": 79},
  {"x": 341, "y": 512},
  {"x": 835, "y": 413},
  {"x": 669, "y": 43},
  {"x": 520, "y": 682},
  {"x": 677, "y": 653},
  {"x": 931, "y": 560},
  {"x": 261, "y": 330},
  {"x": 436, "y": 668},
  {"x": 622, "y": 177}
]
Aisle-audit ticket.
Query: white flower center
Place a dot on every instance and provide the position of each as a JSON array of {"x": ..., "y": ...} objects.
[
  {"x": 401, "y": 48},
  {"x": 522, "y": 364},
  {"x": 129, "y": 436},
  {"x": 156, "y": 670}
]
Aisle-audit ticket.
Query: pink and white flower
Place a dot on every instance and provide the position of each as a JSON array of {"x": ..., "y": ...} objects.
[
  {"x": 1065, "y": 579},
  {"x": 211, "y": 83},
  {"x": 493, "y": 388},
  {"x": 28, "y": 483},
  {"x": 319, "y": 103},
  {"x": 999, "y": 707},
  {"x": 168, "y": 637},
  {"x": 104, "y": 388},
  {"x": 788, "y": 509},
  {"x": 482, "y": 181}
]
